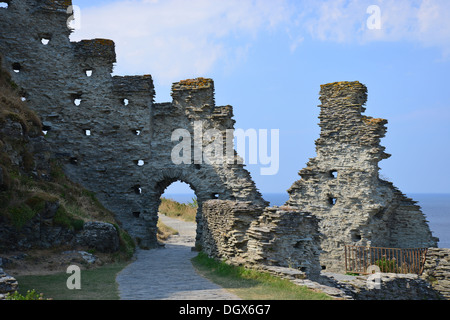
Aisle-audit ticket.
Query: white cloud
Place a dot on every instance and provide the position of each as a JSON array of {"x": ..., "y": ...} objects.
[
  {"x": 175, "y": 39},
  {"x": 426, "y": 22}
]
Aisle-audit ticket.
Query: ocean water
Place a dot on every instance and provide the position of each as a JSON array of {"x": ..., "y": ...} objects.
[{"x": 436, "y": 208}]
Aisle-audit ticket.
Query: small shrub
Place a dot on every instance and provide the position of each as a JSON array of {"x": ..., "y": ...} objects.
[
  {"x": 386, "y": 265},
  {"x": 30, "y": 295}
]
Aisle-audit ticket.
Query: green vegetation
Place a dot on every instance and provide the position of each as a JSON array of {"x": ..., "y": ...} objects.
[
  {"x": 28, "y": 189},
  {"x": 387, "y": 265},
  {"x": 96, "y": 284},
  {"x": 173, "y": 209},
  {"x": 250, "y": 284}
]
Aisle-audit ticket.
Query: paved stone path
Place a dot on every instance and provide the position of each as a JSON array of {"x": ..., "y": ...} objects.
[{"x": 167, "y": 273}]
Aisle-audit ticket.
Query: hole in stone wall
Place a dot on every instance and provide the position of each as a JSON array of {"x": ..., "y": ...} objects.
[
  {"x": 136, "y": 214},
  {"x": 333, "y": 174},
  {"x": 88, "y": 72},
  {"x": 356, "y": 236},
  {"x": 137, "y": 189},
  {"x": 214, "y": 196},
  {"x": 23, "y": 99},
  {"x": 46, "y": 129},
  {"x": 125, "y": 102},
  {"x": 45, "y": 41},
  {"x": 197, "y": 166},
  {"x": 140, "y": 163},
  {"x": 16, "y": 67},
  {"x": 76, "y": 99},
  {"x": 4, "y": 4},
  {"x": 73, "y": 160},
  {"x": 136, "y": 132},
  {"x": 332, "y": 201},
  {"x": 87, "y": 132}
]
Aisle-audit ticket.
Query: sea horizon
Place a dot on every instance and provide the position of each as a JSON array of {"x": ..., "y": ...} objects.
[{"x": 435, "y": 206}]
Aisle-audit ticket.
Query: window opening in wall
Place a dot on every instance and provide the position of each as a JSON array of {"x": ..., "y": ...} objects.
[
  {"x": 136, "y": 132},
  {"x": 332, "y": 201},
  {"x": 197, "y": 166},
  {"x": 16, "y": 67},
  {"x": 137, "y": 189},
  {"x": 87, "y": 132},
  {"x": 125, "y": 102},
  {"x": 46, "y": 129},
  {"x": 45, "y": 41},
  {"x": 4, "y": 4},
  {"x": 140, "y": 163},
  {"x": 356, "y": 236},
  {"x": 136, "y": 214},
  {"x": 88, "y": 72},
  {"x": 76, "y": 99},
  {"x": 73, "y": 160},
  {"x": 333, "y": 174},
  {"x": 23, "y": 99},
  {"x": 214, "y": 196}
]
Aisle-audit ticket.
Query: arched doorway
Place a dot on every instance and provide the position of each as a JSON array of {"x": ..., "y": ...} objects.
[
  {"x": 177, "y": 214},
  {"x": 201, "y": 191}
]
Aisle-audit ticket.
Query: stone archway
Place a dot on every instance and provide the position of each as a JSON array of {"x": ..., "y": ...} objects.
[
  {"x": 108, "y": 132},
  {"x": 202, "y": 191}
]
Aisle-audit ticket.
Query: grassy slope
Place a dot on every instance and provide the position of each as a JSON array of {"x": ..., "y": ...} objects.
[{"x": 23, "y": 194}]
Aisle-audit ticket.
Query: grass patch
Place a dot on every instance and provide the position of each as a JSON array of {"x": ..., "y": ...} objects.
[
  {"x": 184, "y": 211},
  {"x": 250, "y": 284},
  {"x": 164, "y": 231},
  {"x": 96, "y": 284}
]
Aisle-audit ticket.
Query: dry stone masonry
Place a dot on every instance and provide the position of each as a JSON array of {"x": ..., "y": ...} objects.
[
  {"x": 341, "y": 186},
  {"x": 114, "y": 140},
  {"x": 245, "y": 234}
]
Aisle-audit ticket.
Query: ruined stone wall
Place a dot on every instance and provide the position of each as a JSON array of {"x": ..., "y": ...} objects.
[
  {"x": 341, "y": 185},
  {"x": 112, "y": 138},
  {"x": 245, "y": 234},
  {"x": 437, "y": 270}
]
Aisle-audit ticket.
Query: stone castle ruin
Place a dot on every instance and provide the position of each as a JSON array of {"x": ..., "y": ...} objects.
[
  {"x": 115, "y": 141},
  {"x": 342, "y": 188},
  {"x": 111, "y": 136}
]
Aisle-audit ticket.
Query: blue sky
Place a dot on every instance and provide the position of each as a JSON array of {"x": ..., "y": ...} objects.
[{"x": 268, "y": 59}]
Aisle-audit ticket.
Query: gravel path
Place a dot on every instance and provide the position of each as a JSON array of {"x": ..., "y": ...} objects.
[{"x": 167, "y": 273}]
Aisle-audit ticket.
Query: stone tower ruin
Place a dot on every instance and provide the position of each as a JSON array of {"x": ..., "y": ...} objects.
[
  {"x": 341, "y": 186},
  {"x": 111, "y": 136},
  {"x": 114, "y": 140}
]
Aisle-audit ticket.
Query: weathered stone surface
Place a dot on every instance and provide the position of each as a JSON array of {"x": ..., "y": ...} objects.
[
  {"x": 100, "y": 236},
  {"x": 8, "y": 284},
  {"x": 437, "y": 270},
  {"x": 341, "y": 186},
  {"x": 245, "y": 234},
  {"x": 113, "y": 139}
]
